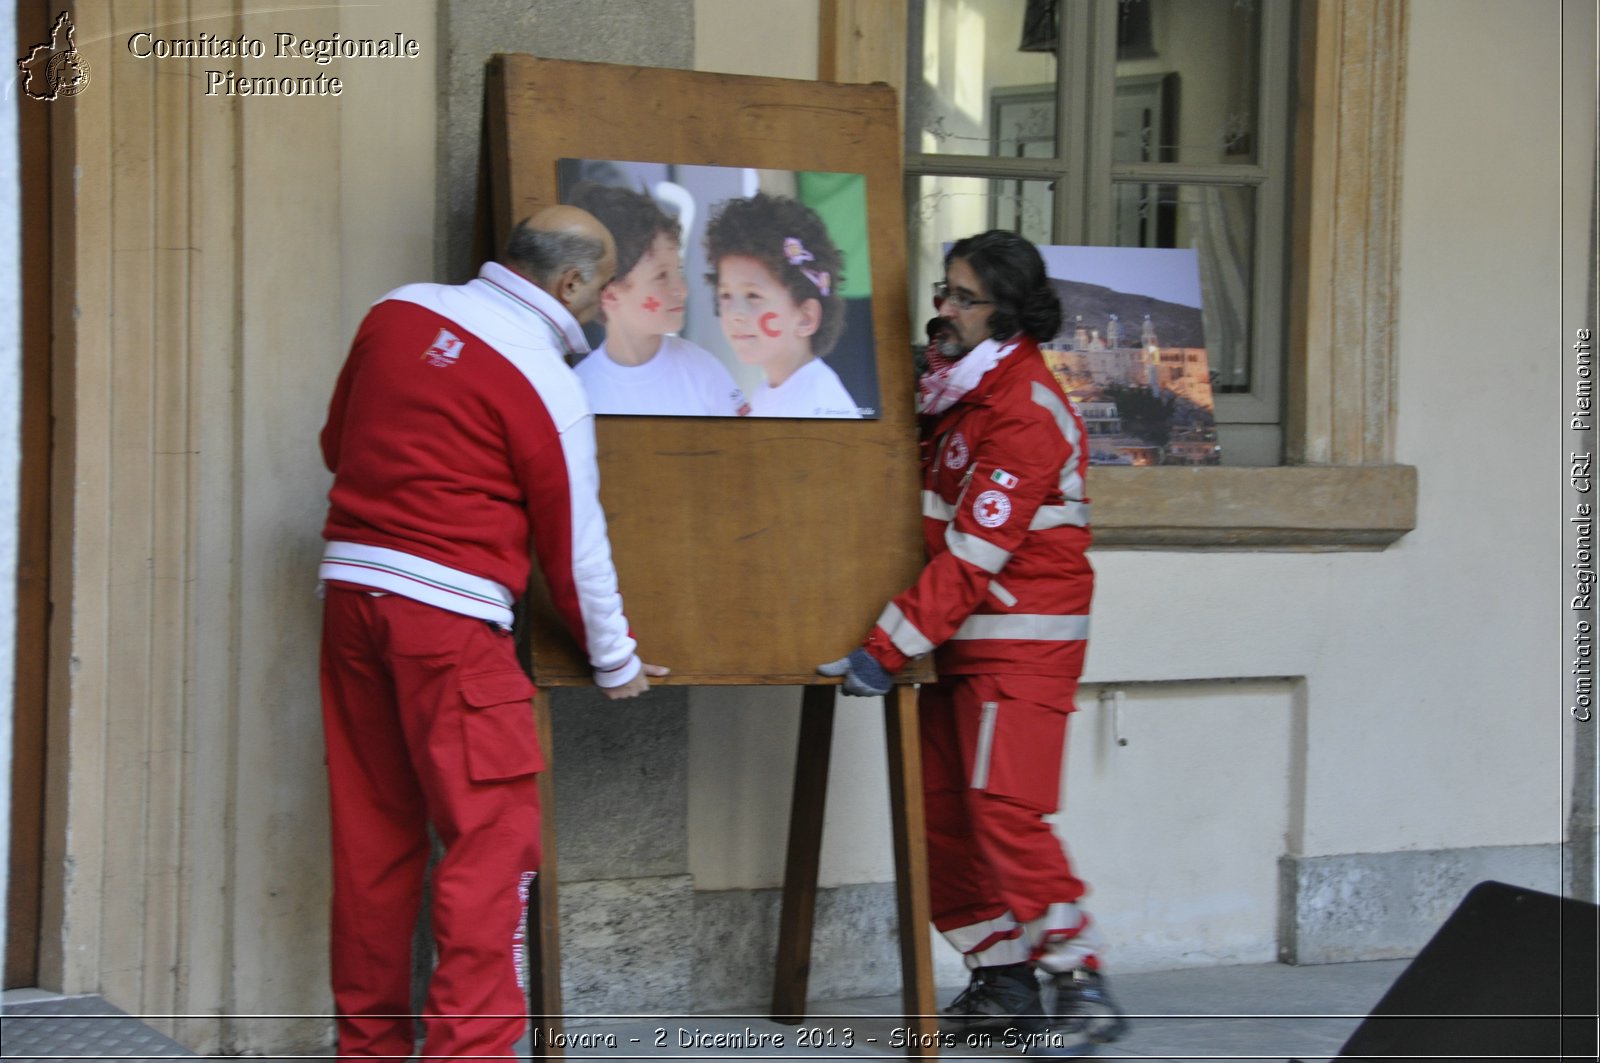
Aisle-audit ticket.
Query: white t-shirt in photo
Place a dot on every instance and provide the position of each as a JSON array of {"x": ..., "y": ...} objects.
[
  {"x": 682, "y": 379},
  {"x": 813, "y": 390}
]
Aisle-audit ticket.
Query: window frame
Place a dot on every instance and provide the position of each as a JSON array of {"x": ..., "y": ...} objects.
[
  {"x": 1341, "y": 488},
  {"x": 1085, "y": 180}
]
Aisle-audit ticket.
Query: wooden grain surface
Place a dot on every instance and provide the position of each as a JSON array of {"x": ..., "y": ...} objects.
[{"x": 749, "y": 550}]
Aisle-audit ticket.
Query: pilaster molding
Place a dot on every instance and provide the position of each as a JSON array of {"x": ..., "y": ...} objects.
[
  {"x": 119, "y": 665},
  {"x": 145, "y": 272},
  {"x": 1342, "y": 384}
]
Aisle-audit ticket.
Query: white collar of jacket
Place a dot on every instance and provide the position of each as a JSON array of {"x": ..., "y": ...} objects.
[
  {"x": 943, "y": 388},
  {"x": 515, "y": 289}
]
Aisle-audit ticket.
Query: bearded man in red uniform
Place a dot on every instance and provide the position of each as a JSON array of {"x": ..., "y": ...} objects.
[
  {"x": 457, "y": 436},
  {"x": 1003, "y": 604}
]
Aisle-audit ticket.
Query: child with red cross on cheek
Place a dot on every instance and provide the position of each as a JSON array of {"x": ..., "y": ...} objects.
[
  {"x": 644, "y": 367},
  {"x": 776, "y": 272}
]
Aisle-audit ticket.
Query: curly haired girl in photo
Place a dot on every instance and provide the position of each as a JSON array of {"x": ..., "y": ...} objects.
[{"x": 777, "y": 273}]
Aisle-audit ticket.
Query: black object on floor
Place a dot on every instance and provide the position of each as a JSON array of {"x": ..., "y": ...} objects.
[{"x": 1511, "y": 974}]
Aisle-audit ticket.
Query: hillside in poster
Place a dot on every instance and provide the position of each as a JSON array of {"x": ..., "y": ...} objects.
[{"x": 1131, "y": 353}]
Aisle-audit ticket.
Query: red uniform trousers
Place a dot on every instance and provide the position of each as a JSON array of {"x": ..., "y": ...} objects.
[
  {"x": 427, "y": 718},
  {"x": 1001, "y": 887}
]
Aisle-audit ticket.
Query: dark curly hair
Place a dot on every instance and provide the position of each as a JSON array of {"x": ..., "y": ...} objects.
[
  {"x": 1013, "y": 272},
  {"x": 635, "y": 220},
  {"x": 762, "y": 227}
]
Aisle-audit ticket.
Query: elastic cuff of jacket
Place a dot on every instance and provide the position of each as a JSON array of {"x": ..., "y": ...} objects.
[
  {"x": 621, "y": 675},
  {"x": 883, "y": 651}
]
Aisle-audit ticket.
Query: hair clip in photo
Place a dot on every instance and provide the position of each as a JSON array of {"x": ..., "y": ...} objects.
[
  {"x": 795, "y": 252},
  {"x": 818, "y": 277}
]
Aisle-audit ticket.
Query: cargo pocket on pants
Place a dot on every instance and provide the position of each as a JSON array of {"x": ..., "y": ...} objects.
[
  {"x": 498, "y": 728},
  {"x": 1019, "y": 748}
]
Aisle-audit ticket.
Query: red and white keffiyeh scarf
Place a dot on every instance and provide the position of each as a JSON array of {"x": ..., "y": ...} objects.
[{"x": 946, "y": 380}]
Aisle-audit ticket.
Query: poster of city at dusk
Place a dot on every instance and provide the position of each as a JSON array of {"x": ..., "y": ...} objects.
[{"x": 1131, "y": 352}]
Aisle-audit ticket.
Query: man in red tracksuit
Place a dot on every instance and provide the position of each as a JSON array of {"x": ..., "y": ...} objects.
[
  {"x": 1003, "y": 604},
  {"x": 456, "y": 436}
]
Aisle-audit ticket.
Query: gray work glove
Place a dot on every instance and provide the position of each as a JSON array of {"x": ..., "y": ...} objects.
[{"x": 863, "y": 675}]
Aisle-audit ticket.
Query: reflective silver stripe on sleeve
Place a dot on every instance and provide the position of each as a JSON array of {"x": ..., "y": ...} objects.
[
  {"x": 936, "y": 508},
  {"x": 1005, "y": 597},
  {"x": 980, "y": 759},
  {"x": 1068, "y": 514},
  {"x": 903, "y": 633},
  {"x": 1037, "y": 627},
  {"x": 976, "y": 551},
  {"x": 1052, "y": 400}
]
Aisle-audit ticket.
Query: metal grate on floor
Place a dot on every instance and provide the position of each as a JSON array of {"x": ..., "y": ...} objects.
[{"x": 42, "y": 1031}]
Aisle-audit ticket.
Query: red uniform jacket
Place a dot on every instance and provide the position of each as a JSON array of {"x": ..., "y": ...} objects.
[{"x": 1006, "y": 525}]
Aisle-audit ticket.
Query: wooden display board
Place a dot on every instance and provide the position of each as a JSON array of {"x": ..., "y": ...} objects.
[{"x": 748, "y": 549}]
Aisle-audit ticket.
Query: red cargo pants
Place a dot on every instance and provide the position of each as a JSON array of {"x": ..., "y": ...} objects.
[
  {"x": 427, "y": 718},
  {"x": 1001, "y": 888}
]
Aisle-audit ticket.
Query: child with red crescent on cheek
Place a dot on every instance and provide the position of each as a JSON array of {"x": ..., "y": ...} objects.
[
  {"x": 776, "y": 272},
  {"x": 643, "y": 367}
]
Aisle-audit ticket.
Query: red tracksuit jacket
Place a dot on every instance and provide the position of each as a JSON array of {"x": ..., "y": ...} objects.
[{"x": 456, "y": 434}]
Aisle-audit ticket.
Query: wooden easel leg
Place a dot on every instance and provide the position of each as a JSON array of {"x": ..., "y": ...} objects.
[
  {"x": 793, "y": 969},
  {"x": 544, "y": 924},
  {"x": 911, "y": 866}
]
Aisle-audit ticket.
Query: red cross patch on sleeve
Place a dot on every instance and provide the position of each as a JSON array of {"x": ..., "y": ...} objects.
[{"x": 991, "y": 509}]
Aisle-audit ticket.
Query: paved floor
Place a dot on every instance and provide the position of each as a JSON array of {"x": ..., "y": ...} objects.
[
  {"x": 1265, "y": 1012},
  {"x": 1213, "y": 1014}
]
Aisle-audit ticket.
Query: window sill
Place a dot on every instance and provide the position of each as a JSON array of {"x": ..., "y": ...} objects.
[{"x": 1304, "y": 507}]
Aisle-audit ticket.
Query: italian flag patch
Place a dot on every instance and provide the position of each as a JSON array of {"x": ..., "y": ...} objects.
[{"x": 1003, "y": 478}]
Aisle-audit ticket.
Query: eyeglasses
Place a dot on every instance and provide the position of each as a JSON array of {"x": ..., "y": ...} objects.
[{"x": 956, "y": 297}]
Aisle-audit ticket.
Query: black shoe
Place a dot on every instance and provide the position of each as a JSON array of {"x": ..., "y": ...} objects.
[
  {"x": 997, "y": 999},
  {"x": 1083, "y": 1011}
]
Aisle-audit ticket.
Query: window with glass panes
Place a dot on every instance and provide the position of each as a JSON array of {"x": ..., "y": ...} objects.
[{"x": 1128, "y": 123}]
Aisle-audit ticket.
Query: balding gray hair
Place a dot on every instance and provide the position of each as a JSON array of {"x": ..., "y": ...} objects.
[{"x": 545, "y": 256}]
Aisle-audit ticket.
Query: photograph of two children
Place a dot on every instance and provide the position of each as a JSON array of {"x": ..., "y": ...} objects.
[{"x": 738, "y": 291}]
